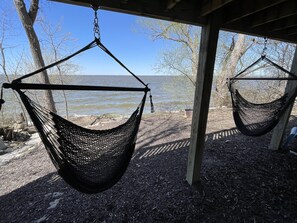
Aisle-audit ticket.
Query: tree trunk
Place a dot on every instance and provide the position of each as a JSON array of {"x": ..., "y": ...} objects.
[
  {"x": 27, "y": 19},
  {"x": 237, "y": 49}
]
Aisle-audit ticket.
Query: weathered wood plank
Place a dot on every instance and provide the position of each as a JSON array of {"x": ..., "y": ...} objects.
[
  {"x": 213, "y": 5},
  {"x": 184, "y": 11},
  {"x": 172, "y": 3},
  {"x": 281, "y": 24},
  {"x": 207, "y": 53},
  {"x": 248, "y": 8},
  {"x": 279, "y": 130},
  {"x": 274, "y": 14}
]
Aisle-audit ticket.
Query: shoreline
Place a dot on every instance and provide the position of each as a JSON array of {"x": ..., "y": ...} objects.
[{"x": 16, "y": 149}]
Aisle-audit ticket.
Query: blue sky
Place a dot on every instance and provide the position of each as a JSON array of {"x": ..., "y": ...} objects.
[{"x": 120, "y": 33}]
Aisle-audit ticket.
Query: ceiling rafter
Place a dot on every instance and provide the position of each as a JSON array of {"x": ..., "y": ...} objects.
[
  {"x": 281, "y": 24},
  {"x": 288, "y": 31},
  {"x": 275, "y": 13},
  {"x": 212, "y": 5},
  {"x": 294, "y": 35},
  {"x": 262, "y": 33},
  {"x": 172, "y": 3},
  {"x": 275, "y": 19},
  {"x": 273, "y": 24},
  {"x": 247, "y": 8}
]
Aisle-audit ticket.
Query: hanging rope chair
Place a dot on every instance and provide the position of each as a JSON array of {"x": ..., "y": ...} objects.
[
  {"x": 256, "y": 119},
  {"x": 89, "y": 160}
]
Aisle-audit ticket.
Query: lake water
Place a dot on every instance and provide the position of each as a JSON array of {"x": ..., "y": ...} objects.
[{"x": 169, "y": 94}]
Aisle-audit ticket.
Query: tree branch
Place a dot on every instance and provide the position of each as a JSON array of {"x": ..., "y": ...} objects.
[
  {"x": 33, "y": 10},
  {"x": 182, "y": 72}
]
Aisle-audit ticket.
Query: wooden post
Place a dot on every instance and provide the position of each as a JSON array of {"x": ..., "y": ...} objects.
[
  {"x": 207, "y": 54},
  {"x": 279, "y": 130}
]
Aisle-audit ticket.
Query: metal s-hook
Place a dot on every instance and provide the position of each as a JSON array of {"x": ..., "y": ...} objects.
[
  {"x": 96, "y": 23},
  {"x": 263, "y": 55}
]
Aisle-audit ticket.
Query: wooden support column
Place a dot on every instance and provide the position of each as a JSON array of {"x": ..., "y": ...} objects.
[
  {"x": 207, "y": 54},
  {"x": 279, "y": 130}
]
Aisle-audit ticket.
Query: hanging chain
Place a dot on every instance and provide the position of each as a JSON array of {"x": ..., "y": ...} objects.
[
  {"x": 265, "y": 47},
  {"x": 96, "y": 25}
]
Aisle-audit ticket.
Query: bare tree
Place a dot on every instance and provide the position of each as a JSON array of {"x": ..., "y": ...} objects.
[
  {"x": 181, "y": 58},
  {"x": 282, "y": 54},
  {"x": 28, "y": 18},
  {"x": 235, "y": 52},
  {"x": 54, "y": 46},
  {"x": 238, "y": 47},
  {"x": 7, "y": 70}
]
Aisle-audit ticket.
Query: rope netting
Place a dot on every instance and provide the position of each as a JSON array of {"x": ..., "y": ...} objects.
[
  {"x": 89, "y": 160},
  {"x": 258, "y": 118}
]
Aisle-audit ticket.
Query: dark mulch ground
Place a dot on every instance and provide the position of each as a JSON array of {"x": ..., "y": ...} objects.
[{"x": 242, "y": 181}]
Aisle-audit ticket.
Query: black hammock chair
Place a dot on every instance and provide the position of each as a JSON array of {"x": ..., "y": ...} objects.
[
  {"x": 258, "y": 119},
  {"x": 90, "y": 161}
]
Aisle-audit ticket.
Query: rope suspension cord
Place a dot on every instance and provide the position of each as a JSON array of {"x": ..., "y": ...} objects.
[
  {"x": 95, "y": 42},
  {"x": 87, "y": 47},
  {"x": 263, "y": 58},
  {"x": 17, "y": 84},
  {"x": 97, "y": 36}
]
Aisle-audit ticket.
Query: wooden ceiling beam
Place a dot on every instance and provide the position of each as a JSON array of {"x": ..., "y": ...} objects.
[
  {"x": 283, "y": 23},
  {"x": 184, "y": 12},
  {"x": 261, "y": 33},
  {"x": 279, "y": 25},
  {"x": 247, "y": 8},
  {"x": 293, "y": 35},
  {"x": 289, "y": 31},
  {"x": 85, "y": 3},
  {"x": 242, "y": 16},
  {"x": 172, "y": 3},
  {"x": 274, "y": 14},
  {"x": 213, "y": 5}
]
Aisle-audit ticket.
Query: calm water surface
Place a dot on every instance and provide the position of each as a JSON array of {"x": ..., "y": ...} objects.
[{"x": 169, "y": 94}]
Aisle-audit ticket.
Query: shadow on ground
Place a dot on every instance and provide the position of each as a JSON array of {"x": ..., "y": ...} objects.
[{"x": 241, "y": 181}]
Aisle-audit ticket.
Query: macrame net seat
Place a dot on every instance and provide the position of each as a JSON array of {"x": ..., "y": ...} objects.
[
  {"x": 256, "y": 119},
  {"x": 89, "y": 160}
]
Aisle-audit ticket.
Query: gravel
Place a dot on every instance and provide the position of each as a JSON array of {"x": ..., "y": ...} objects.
[{"x": 241, "y": 180}]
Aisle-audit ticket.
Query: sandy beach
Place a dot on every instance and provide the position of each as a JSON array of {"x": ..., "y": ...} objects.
[{"x": 242, "y": 181}]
